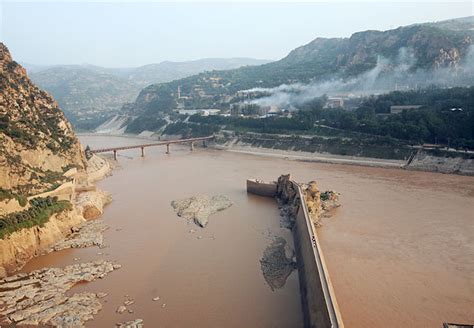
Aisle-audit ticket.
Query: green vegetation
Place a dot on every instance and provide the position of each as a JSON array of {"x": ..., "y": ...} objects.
[
  {"x": 8, "y": 194},
  {"x": 4, "y": 120},
  {"x": 88, "y": 152},
  {"x": 190, "y": 130},
  {"x": 435, "y": 122},
  {"x": 69, "y": 166},
  {"x": 37, "y": 215},
  {"x": 143, "y": 123},
  {"x": 52, "y": 177},
  {"x": 325, "y": 195}
]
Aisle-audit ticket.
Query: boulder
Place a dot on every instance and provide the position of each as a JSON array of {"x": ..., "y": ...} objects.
[{"x": 199, "y": 208}]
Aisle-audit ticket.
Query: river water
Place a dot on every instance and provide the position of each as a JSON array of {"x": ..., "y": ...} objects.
[{"x": 400, "y": 250}]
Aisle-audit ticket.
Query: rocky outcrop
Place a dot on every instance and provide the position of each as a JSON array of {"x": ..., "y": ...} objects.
[
  {"x": 39, "y": 155},
  {"x": 318, "y": 204},
  {"x": 199, "y": 208},
  {"x": 9, "y": 206},
  {"x": 137, "y": 323},
  {"x": 97, "y": 168},
  {"x": 91, "y": 203},
  {"x": 87, "y": 234},
  {"x": 36, "y": 140},
  {"x": 313, "y": 200},
  {"x": 40, "y": 297}
]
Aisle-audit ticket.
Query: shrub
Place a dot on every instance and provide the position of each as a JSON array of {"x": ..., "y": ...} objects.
[{"x": 37, "y": 215}]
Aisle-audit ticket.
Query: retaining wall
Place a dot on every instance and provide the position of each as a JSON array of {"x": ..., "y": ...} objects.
[{"x": 443, "y": 161}]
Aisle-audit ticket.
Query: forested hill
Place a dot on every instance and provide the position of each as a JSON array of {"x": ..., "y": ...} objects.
[{"x": 406, "y": 50}]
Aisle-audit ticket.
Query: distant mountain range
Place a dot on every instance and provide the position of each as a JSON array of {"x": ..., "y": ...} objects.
[
  {"x": 408, "y": 57},
  {"x": 89, "y": 93},
  {"x": 165, "y": 71}
]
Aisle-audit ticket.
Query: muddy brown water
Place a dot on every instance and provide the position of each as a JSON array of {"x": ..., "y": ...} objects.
[{"x": 400, "y": 250}]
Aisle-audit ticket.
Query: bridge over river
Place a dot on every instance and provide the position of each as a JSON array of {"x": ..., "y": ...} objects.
[{"x": 191, "y": 141}]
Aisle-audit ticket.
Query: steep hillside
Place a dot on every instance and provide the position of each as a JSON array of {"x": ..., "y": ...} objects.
[
  {"x": 87, "y": 95},
  {"x": 36, "y": 141},
  {"x": 45, "y": 180},
  {"x": 411, "y": 56}
]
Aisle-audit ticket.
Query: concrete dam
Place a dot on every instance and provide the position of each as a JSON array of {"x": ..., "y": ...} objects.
[{"x": 318, "y": 300}]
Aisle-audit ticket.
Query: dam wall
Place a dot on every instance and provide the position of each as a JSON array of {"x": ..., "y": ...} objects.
[
  {"x": 320, "y": 309},
  {"x": 261, "y": 188},
  {"x": 319, "y": 303}
]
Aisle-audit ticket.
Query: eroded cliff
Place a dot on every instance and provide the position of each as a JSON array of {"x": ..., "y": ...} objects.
[
  {"x": 36, "y": 140},
  {"x": 45, "y": 181}
]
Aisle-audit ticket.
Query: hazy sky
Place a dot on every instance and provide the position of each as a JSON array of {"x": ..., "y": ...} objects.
[{"x": 137, "y": 33}]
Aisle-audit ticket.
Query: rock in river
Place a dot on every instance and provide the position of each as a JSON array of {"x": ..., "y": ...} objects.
[
  {"x": 137, "y": 323},
  {"x": 199, "y": 208},
  {"x": 277, "y": 263}
]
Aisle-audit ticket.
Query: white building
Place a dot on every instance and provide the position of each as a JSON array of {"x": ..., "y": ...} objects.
[{"x": 204, "y": 112}]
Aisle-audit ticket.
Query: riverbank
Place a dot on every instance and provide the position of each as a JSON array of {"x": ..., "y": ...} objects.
[{"x": 311, "y": 157}]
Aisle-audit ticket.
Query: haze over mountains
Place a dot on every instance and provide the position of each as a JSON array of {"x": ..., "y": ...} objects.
[
  {"x": 368, "y": 62},
  {"x": 89, "y": 93}
]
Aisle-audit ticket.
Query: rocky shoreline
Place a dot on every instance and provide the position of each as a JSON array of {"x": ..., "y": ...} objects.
[
  {"x": 86, "y": 235},
  {"x": 40, "y": 297}
]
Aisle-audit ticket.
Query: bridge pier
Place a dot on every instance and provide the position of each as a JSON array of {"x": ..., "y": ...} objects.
[
  {"x": 115, "y": 155},
  {"x": 192, "y": 146},
  {"x": 167, "y": 148},
  {"x": 143, "y": 151},
  {"x": 204, "y": 143}
]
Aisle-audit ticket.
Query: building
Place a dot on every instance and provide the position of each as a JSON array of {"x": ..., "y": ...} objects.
[
  {"x": 204, "y": 112},
  {"x": 334, "y": 102},
  {"x": 399, "y": 109},
  {"x": 254, "y": 110}
]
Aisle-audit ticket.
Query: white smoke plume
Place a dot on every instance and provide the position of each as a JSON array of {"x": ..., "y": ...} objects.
[{"x": 386, "y": 76}]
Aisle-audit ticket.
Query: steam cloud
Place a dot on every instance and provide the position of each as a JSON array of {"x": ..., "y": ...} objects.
[{"x": 386, "y": 76}]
